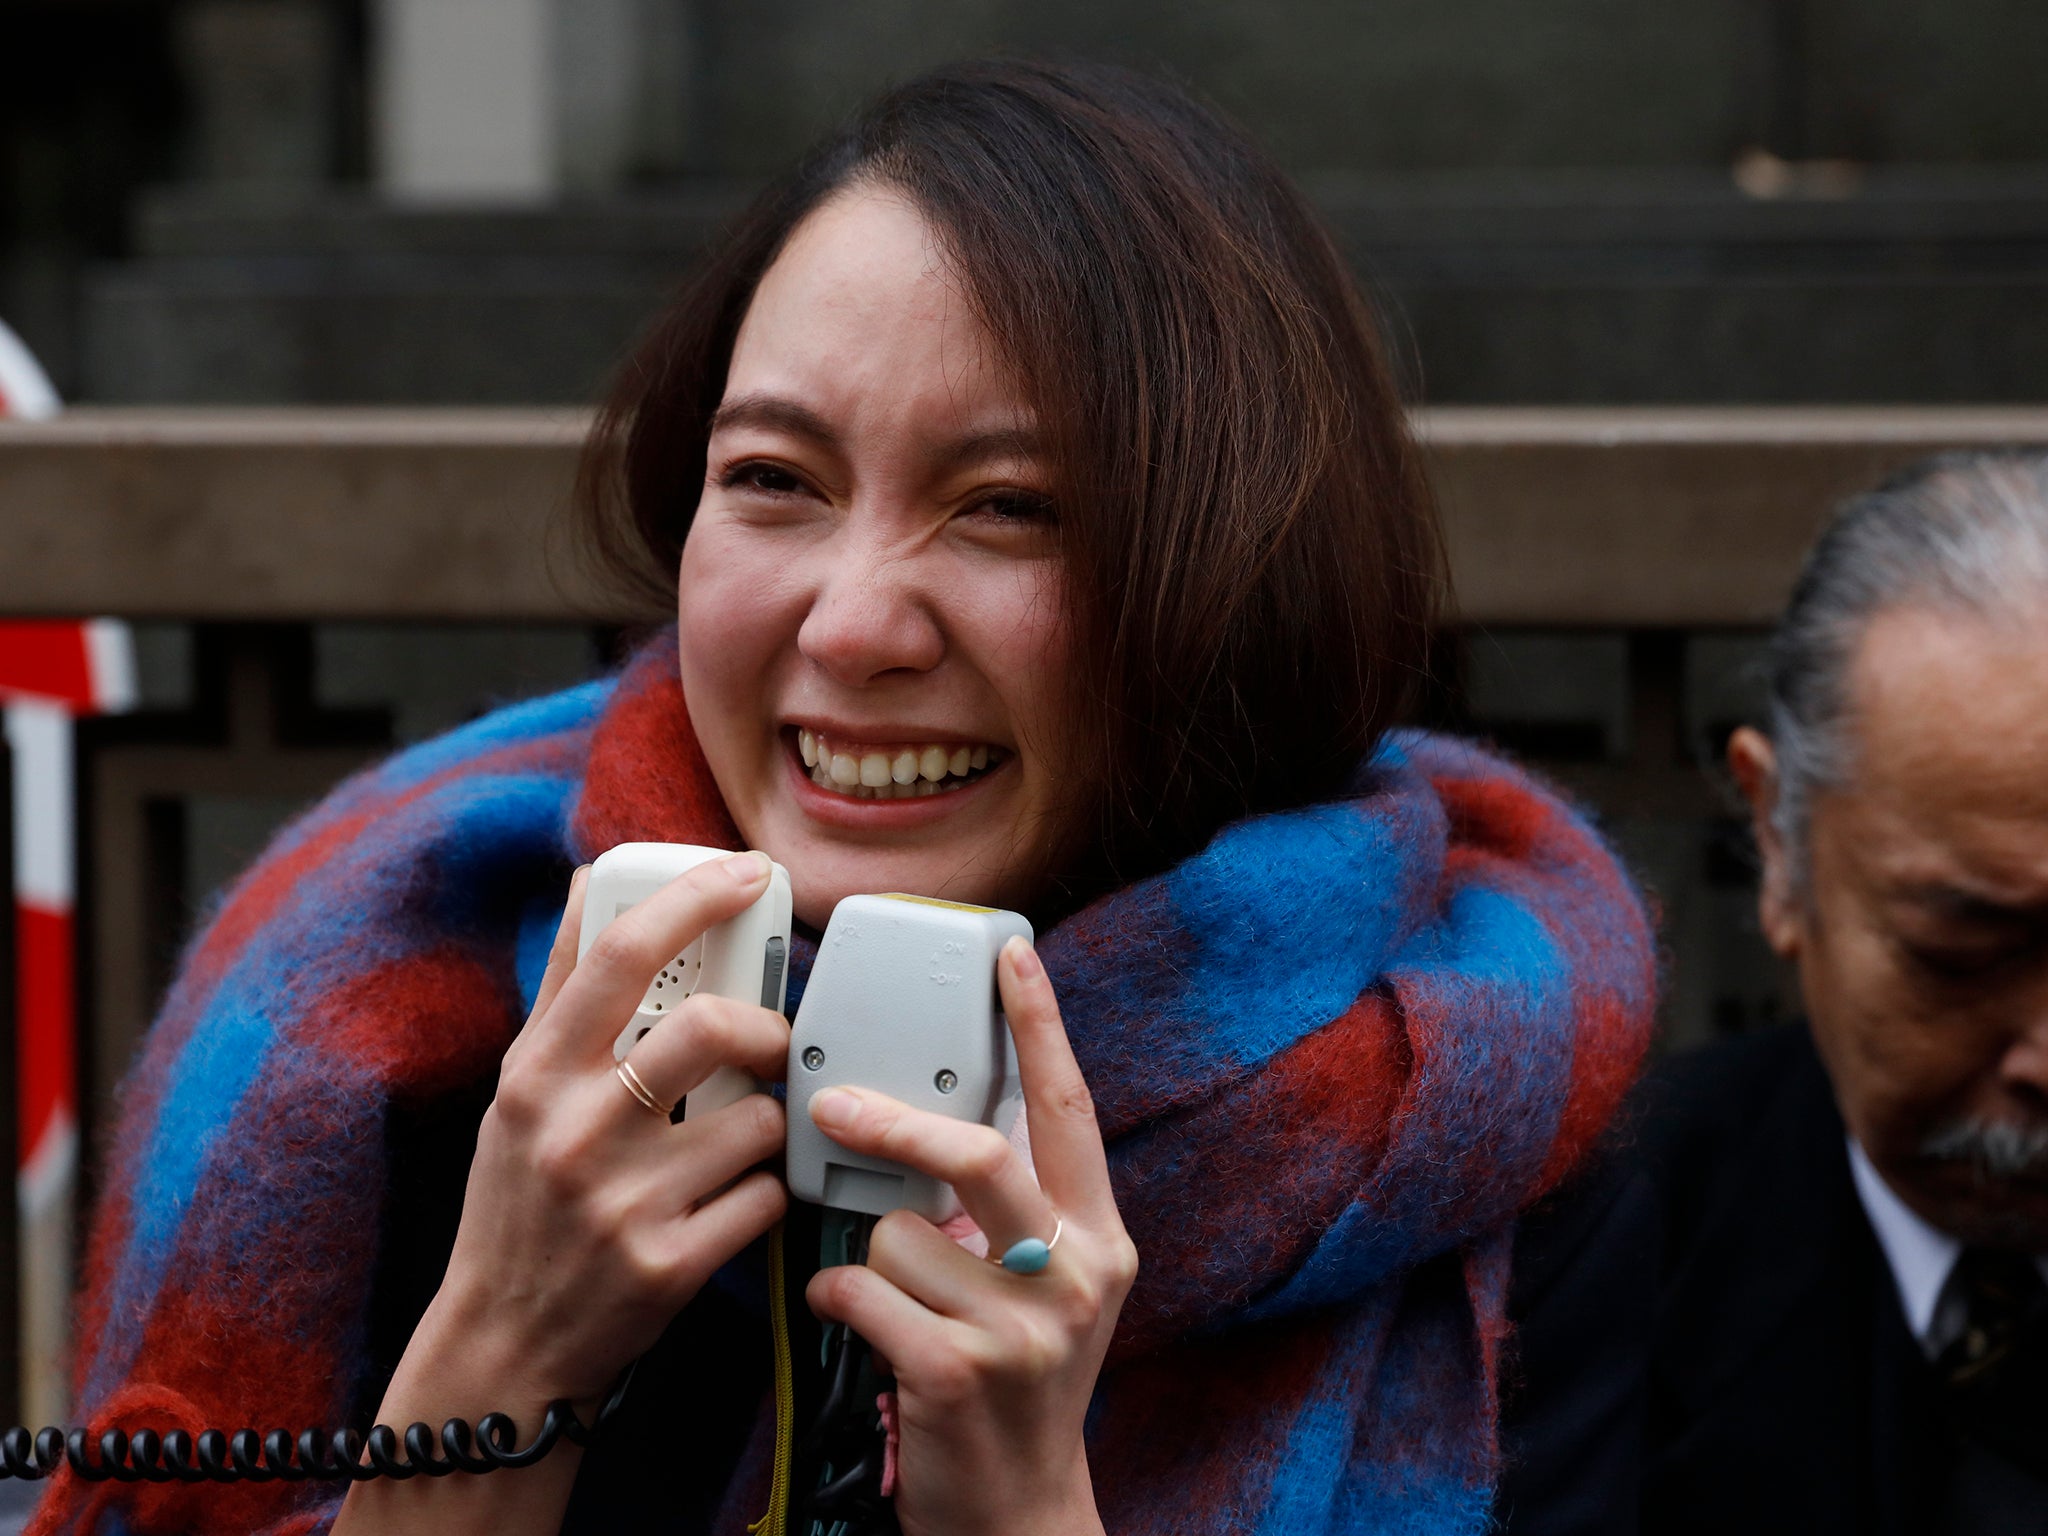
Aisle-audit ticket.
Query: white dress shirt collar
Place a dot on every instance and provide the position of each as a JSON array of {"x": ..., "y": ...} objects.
[{"x": 1919, "y": 1254}]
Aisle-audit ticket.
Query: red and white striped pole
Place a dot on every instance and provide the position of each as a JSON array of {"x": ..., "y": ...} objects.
[{"x": 51, "y": 672}]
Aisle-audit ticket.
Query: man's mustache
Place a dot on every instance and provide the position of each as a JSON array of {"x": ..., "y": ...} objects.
[{"x": 1997, "y": 1149}]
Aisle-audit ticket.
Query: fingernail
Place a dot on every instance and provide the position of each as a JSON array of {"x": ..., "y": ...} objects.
[
  {"x": 747, "y": 868},
  {"x": 1025, "y": 958},
  {"x": 834, "y": 1109}
]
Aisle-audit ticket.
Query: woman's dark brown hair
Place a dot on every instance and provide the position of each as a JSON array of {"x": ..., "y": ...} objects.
[{"x": 1253, "y": 561}]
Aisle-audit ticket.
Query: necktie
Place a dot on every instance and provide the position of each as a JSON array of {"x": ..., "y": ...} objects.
[{"x": 1995, "y": 1373}]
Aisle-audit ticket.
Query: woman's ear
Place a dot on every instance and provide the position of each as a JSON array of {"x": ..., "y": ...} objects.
[{"x": 1780, "y": 913}]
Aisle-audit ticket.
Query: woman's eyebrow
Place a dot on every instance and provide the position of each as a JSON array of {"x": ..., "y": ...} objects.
[
  {"x": 772, "y": 413},
  {"x": 775, "y": 413},
  {"x": 980, "y": 447}
]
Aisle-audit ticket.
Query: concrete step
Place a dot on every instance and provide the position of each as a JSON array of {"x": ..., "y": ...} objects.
[{"x": 1552, "y": 287}]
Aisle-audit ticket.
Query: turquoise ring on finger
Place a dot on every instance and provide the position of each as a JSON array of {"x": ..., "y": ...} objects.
[{"x": 1029, "y": 1255}]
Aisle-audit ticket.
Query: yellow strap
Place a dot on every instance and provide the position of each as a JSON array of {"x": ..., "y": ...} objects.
[{"x": 776, "y": 1521}]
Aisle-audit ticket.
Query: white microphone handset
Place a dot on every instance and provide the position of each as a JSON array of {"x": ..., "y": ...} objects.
[
  {"x": 745, "y": 957},
  {"x": 902, "y": 999}
]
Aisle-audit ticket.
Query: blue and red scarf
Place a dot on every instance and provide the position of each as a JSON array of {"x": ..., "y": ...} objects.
[{"x": 1334, "y": 1055}]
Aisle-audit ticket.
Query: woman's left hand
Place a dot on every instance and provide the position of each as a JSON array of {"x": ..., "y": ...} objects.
[{"x": 993, "y": 1370}]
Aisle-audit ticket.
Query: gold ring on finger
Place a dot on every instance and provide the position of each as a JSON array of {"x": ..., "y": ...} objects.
[{"x": 641, "y": 1092}]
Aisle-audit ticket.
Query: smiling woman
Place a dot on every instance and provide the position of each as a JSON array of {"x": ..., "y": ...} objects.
[
  {"x": 871, "y": 590},
  {"x": 1041, "y": 531}
]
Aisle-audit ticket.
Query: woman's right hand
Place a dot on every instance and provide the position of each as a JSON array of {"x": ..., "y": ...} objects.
[{"x": 590, "y": 1220}]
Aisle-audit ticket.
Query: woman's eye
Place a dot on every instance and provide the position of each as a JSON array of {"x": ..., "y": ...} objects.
[
  {"x": 1017, "y": 508},
  {"x": 770, "y": 478}
]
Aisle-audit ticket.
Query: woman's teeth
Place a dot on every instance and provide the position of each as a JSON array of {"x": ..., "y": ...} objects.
[{"x": 903, "y": 773}]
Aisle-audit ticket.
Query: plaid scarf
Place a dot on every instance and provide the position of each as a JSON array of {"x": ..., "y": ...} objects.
[{"x": 1334, "y": 1054}]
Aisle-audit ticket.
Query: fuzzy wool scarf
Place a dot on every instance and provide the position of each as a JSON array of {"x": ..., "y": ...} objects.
[{"x": 1334, "y": 1055}]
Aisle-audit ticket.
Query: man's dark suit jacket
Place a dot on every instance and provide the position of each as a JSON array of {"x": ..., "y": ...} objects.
[{"x": 1709, "y": 1338}]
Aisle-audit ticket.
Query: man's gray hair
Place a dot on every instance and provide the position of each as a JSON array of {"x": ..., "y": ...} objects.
[{"x": 1965, "y": 532}]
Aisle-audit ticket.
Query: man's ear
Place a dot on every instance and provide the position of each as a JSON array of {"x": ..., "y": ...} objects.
[{"x": 1780, "y": 913}]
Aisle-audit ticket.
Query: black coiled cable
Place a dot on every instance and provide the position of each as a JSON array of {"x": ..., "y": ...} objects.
[{"x": 214, "y": 1456}]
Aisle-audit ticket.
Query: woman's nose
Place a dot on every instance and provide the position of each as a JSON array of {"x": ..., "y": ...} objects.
[{"x": 871, "y": 615}]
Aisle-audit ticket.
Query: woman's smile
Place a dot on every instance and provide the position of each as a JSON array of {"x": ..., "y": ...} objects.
[{"x": 917, "y": 769}]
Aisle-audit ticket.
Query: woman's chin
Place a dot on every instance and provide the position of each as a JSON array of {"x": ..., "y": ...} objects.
[
  {"x": 821, "y": 878},
  {"x": 824, "y": 869}
]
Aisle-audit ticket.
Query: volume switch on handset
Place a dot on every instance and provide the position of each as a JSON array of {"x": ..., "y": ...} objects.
[
  {"x": 745, "y": 957},
  {"x": 774, "y": 958}
]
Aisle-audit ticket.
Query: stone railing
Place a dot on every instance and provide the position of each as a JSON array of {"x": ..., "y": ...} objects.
[{"x": 1577, "y": 517}]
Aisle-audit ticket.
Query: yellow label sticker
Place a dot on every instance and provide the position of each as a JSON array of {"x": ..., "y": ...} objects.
[{"x": 933, "y": 901}]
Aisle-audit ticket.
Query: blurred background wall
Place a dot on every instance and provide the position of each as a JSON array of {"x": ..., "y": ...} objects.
[{"x": 478, "y": 200}]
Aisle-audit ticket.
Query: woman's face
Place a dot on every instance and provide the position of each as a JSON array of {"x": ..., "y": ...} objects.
[{"x": 874, "y": 642}]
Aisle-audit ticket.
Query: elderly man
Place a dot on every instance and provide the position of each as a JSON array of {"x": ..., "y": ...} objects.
[{"x": 1808, "y": 1293}]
